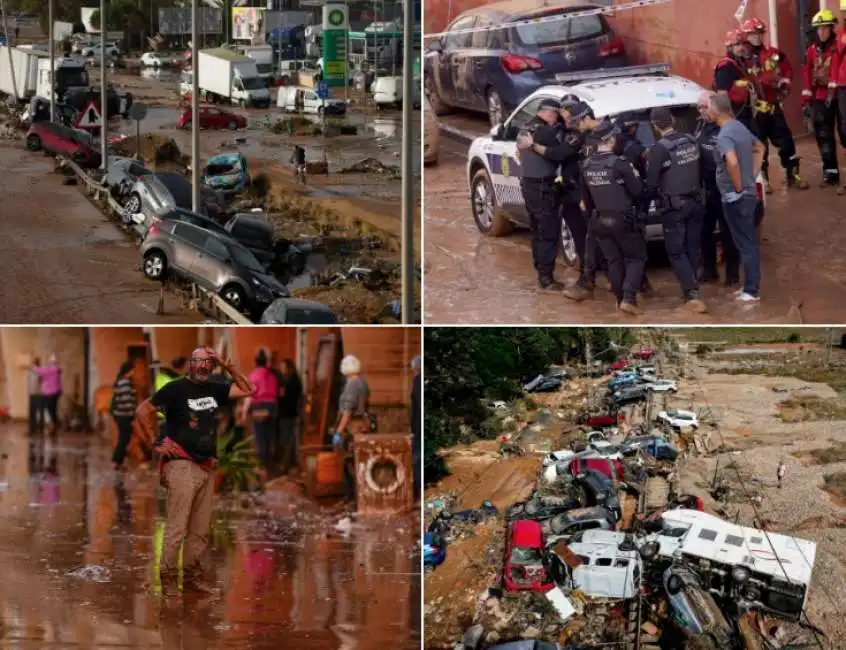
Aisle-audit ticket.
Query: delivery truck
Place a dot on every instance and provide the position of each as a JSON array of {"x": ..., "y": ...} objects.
[
  {"x": 226, "y": 76},
  {"x": 263, "y": 56},
  {"x": 24, "y": 63},
  {"x": 71, "y": 77}
]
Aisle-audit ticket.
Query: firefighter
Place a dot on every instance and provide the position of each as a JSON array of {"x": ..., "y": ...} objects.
[
  {"x": 730, "y": 76},
  {"x": 610, "y": 187},
  {"x": 841, "y": 93},
  {"x": 771, "y": 73},
  {"x": 819, "y": 75}
]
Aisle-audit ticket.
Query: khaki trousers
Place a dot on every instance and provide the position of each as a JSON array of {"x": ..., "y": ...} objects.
[{"x": 190, "y": 492}]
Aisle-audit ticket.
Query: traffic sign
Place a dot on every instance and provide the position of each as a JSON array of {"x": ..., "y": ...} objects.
[
  {"x": 90, "y": 117},
  {"x": 322, "y": 90}
]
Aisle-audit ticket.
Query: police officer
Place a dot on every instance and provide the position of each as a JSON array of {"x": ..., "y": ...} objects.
[
  {"x": 706, "y": 135},
  {"x": 673, "y": 176},
  {"x": 540, "y": 193},
  {"x": 610, "y": 188},
  {"x": 632, "y": 149}
]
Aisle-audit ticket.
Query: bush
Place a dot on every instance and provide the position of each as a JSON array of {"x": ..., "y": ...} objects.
[
  {"x": 794, "y": 338},
  {"x": 702, "y": 349}
]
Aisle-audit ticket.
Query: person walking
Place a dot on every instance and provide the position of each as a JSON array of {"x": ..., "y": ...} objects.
[
  {"x": 263, "y": 411},
  {"x": 673, "y": 178},
  {"x": 781, "y": 470},
  {"x": 51, "y": 389},
  {"x": 124, "y": 403},
  {"x": 189, "y": 455},
  {"x": 290, "y": 403},
  {"x": 353, "y": 417},
  {"x": 739, "y": 158},
  {"x": 36, "y": 399},
  {"x": 298, "y": 160},
  {"x": 416, "y": 424}
]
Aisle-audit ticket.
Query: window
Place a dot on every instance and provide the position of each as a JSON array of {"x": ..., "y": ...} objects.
[
  {"x": 756, "y": 540},
  {"x": 454, "y": 41},
  {"x": 621, "y": 563},
  {"x": 311, "y": 96},
  {"x": 603, "y": 561},
  {"x": 708, "y": 535},
  {"x": 480, "y": 39},
  {"x": 588, "y": 525},
  {"x": 246, "y": 259},
  {"x": 561, "y": 31},
  {"x": 521, "y": 555},
  {"x": 734, "y": 540},
  {"x": 584, "y": 559},
  {"x": 522, "y": 117},
  {"x": 215, "y": 247},
  {"x": 192, "y": 235}
]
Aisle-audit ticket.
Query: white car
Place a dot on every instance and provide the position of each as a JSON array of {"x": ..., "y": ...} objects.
[
  {"x": 493, "y": 167},
  {"x": 152, "y": 60},
  {"x": 661, "y": 385},
  {"x": 93, "y": 51},
  {"x": 678, "y": 419}
]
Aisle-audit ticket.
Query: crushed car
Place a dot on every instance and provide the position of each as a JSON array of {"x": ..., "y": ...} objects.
[
  {"x": 227, "y": 173},
  {"x": 524, "y": 558}
]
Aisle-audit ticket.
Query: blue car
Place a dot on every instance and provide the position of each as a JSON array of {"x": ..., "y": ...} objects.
[
  {"x": 227, "y": 172},
  {"x": 493, "y": 70},
  {"x": 434, "y": 550},
  {"x": 619, "y": 382}
]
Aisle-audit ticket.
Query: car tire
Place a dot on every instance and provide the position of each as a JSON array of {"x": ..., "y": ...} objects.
[
  {"x": 234, "y": 295},
  {"x": 650, "y": 550},
  {"x": 674, "y": 583},
  {"x": 496, "y": 109},
  {"x": 232, "y": 125},
  {"x": 482, "y": 202},
  {"x": 133, "y": 203},
  {"x": 33, "y": 142},
  {"x": 438, "y": 107},
  {"x": 155, "y": 265}
]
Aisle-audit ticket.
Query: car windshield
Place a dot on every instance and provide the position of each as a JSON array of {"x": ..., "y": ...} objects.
[
  {"x": 72, "y": 77},
  {"x": 246, "y": 259},
  {"x": 685, "y": 118},
  {"x": 681, "y": 416},
  {"x": 252, "y": 237},
  {"x": 561, "y": 31},
  {"x": 253, "y": 83},
  {"x": 525, "y": 555}
]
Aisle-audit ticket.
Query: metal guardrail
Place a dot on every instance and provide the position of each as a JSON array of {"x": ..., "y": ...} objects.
[{"x": 207, "y": 301}]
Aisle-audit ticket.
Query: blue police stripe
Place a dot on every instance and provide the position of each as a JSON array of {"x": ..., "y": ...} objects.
[{"x": 515, "y": 169}]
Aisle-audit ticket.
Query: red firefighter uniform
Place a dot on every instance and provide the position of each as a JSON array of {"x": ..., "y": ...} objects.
[
  {"x": 731, "y": 77},
  {"x": 820, "y": 77},
  {"x": 820, "y": 72}
]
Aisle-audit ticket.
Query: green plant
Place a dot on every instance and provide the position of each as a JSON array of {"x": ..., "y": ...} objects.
[
  {"x": 793, "y": 338},
  {"x": 702, "y": 349},
  {"x": 236, "y": 462}
]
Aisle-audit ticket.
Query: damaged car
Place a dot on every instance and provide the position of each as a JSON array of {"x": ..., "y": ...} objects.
[
  {"x": 227, "y": 173},
  {"x": 294, "y": 311},
  {"x": 434, "y": 550},
  {"x": 694, "y": 612},
  {"x": 563, "y": 526},
  {"x": 539, "y": 507},
  {"x": 656, "y": 447},
  {"x": 524, "y": 568}
]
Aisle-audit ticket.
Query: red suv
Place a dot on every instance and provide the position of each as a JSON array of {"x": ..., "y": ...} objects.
[
  {"x": 524, "y": 570},
  {"x": 60, "y": 140},
  {"x": 608, "y": 467},
  {"x": 214, "y": 118}
]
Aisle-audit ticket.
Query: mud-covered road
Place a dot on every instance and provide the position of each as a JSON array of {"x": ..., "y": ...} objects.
[
  {"x": 78, "y": 545},
  {"x": 62, "y": 260},
  {"x": 471, "y": 278}
]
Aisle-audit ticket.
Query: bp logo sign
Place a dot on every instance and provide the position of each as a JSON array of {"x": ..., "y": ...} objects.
[{"x": 336, "y": 17}]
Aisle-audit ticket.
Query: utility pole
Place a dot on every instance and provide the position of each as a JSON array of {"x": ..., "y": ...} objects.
[
  {"x": 52, "y": 46},
  {"x": 407, "y": 166},
  {"x": 104, "y": 95},
  {"x": 195, "y": 108}
]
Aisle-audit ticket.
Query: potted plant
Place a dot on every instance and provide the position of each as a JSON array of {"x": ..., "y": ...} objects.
[{"x": 236, "y": 463}]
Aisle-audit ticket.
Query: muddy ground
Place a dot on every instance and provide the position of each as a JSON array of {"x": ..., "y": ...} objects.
[
  {"x": 762, "y": 417},
  {"x": 79, "y": 548},
  {"x": 475, "y": 279}
]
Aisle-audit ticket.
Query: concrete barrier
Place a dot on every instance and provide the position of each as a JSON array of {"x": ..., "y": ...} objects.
[{"x": 206, "y": 301}]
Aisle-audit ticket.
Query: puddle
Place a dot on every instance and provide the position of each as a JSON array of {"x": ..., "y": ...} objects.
[{"x": 744, "y": 351}]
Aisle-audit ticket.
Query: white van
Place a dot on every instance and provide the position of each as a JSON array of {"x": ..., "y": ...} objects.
[
  {"x": 387, "y": 91},
  {"x": 299, "y": 99}
]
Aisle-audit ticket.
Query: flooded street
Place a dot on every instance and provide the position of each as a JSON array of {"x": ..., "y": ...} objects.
[
  {"x": 471, "y": 278},
  {"x": 78, "y": 546}
]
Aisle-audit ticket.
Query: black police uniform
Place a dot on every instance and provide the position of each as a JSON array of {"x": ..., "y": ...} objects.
[
  {"x": 610, "y": 188},
  {"x": 706, "y": 135},
  {"x": 540, "y": 194},
  {"x": 673, "y": 174},
  {"x": 593, "y": 258},
  {"x": 568, "y": 152}
]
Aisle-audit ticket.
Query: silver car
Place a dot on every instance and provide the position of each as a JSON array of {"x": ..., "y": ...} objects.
[{"x": 155, "y": 193}]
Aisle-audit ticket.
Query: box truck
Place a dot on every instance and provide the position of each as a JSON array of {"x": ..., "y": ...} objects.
[
  {"x": 24, "y": 63},
  {"x": 227, "y": 76},
  {"x": 263, "y": 56},
  {"x": 71, "y": 77}
]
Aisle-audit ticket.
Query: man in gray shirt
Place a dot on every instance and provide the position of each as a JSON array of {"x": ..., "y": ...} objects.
[{"x": 739, "y": 155}]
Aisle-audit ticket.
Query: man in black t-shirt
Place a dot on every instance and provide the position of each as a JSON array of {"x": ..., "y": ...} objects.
[
  {"x": 188, "y": 445},
  {"x": 290, "y": 398}
]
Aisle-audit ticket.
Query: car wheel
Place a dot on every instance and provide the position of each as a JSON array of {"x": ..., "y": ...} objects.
[
  {"x": 496, "y": 111},
  {"x": 489, "y": 219},
  {"x": 650, "y": 550},
  {"x": 133, "y": 205},
  {"x": 187, "y": 126},
  {"x": 234, "y": 295},
  {"x": 33, "y": 142},
  {"x": 155, "y": 265},
  {"x": 438, "y": 106},
  {"x": 232, "y": 125},
  {"x": 568, "y": 253}
]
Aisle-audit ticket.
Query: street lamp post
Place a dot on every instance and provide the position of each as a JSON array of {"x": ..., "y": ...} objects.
[
  {"x": 52, "y": 46},
  {"x": 104, "y": 95},
  {"x": 195, "y": 108},
  {"x": 407, "y": 242}
]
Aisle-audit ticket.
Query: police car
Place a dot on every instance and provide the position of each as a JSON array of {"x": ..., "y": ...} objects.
[{"x": 493, "y": 167}]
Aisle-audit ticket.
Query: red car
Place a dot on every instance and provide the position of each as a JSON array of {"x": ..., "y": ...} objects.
[
  {"x": 609, "y": 467},
  {"x": 620, "y": 365},
  {"x": 60, "y": 140},
  {"x": 644, "y": 353},
  {"x": 214, "y": 118},
  {"x": 524, "y": 569},
  {"x": 602, "y": 422}
]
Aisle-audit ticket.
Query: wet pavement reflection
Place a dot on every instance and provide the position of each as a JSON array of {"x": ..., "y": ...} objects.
[{"x": 79, "y": 549}]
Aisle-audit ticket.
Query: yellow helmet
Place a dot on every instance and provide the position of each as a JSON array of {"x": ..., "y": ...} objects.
[{"x": 824, "y": 17}]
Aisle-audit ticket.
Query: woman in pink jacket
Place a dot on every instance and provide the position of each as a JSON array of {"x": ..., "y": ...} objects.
[{"x": 51, "y": 388}]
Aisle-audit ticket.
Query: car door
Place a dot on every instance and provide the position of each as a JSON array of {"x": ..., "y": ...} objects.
[
  {"x": 210, "y": 263},
  {"x": 186, "y": 242},
  {"x": 478, "y": 58},
  {"x": 452, "y": 58}
]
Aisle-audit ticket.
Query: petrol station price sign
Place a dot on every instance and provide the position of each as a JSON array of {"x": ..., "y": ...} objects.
[{"x": 335, "y": 35}]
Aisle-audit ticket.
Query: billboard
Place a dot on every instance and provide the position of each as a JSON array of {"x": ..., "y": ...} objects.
[
  {"x": 248, "y": 23},
  {"x": 174, "y": 20}
]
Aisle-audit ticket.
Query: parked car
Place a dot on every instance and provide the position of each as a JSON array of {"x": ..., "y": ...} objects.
[
  {"x": 602, "y": 421},
  {"x": 38, "y": 110},
  {"x": 299, "y": 99},
  {"x": 661, "y": 385},
  {"x": 622, "y": 380},
  {"x": 217, "y": 263},
  {"x": 256, "y": 233},
  {"x": 599, "y": 490},
  {"x": 493, "y": 70},
  {"x": 645, "y": 369},
  {"x": 153, "y": 60},
  {"x": 122, "y": 174},
  {"x": 60, "y": 140},
  {"x": 527, "y": 644},
  {"x": 212, "y": 117},
  {"x": 565, "y": 525},
  {"x": 431, "y": 135},
  {"x": 434, "y": 550},
  {"x": 628, "y": 395},
  {"x": 472, "y": 515},
  {"x": 292, "y": 311},
  {"x": 93, "y": 51},
  {"x": 524, "y": 550},
  {"x": 607, "y": 570},
  {"x": 678, "y": 419},
  {"x": 656, "y": 446}
]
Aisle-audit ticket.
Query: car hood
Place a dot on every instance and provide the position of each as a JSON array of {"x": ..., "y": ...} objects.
[{"x": 272, "y": 283}]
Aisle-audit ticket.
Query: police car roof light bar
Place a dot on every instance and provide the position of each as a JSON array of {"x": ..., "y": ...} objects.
[{"x": 612, "y": 73}]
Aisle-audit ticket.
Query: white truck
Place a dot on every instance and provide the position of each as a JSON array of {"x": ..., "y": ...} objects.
[
  {"x": 263, "y": 56},
  {"x": 226, "y": 76},
  {"x": 71, "y": 76},
  {"x": 24, "y": 63}
]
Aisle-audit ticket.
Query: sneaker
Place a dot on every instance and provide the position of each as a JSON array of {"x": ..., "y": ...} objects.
[
  {"x": 577, "y": 293},
  {"x": 747, "y": 297}
]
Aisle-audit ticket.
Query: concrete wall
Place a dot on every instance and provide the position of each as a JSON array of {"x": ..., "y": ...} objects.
[{"x": 689, "y": 34}]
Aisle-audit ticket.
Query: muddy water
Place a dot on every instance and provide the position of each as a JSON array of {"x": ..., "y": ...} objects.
[{"x": 78, "y": 545}]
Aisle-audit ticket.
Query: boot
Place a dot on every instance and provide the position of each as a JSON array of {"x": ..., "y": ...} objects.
[
  {"x": 170, "y": 583},
  {"x": 765, "y": 173},
  {"x": 578, "y": 293},
  {"x": 630, "y": 308},
  {"x": 694, "y": 303},
  {"x": 830, "y": 180},
  {"x": 193, "y": 580},
  {"x": 796, "y": 183},
  {"x": 549, "y": 283}
]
